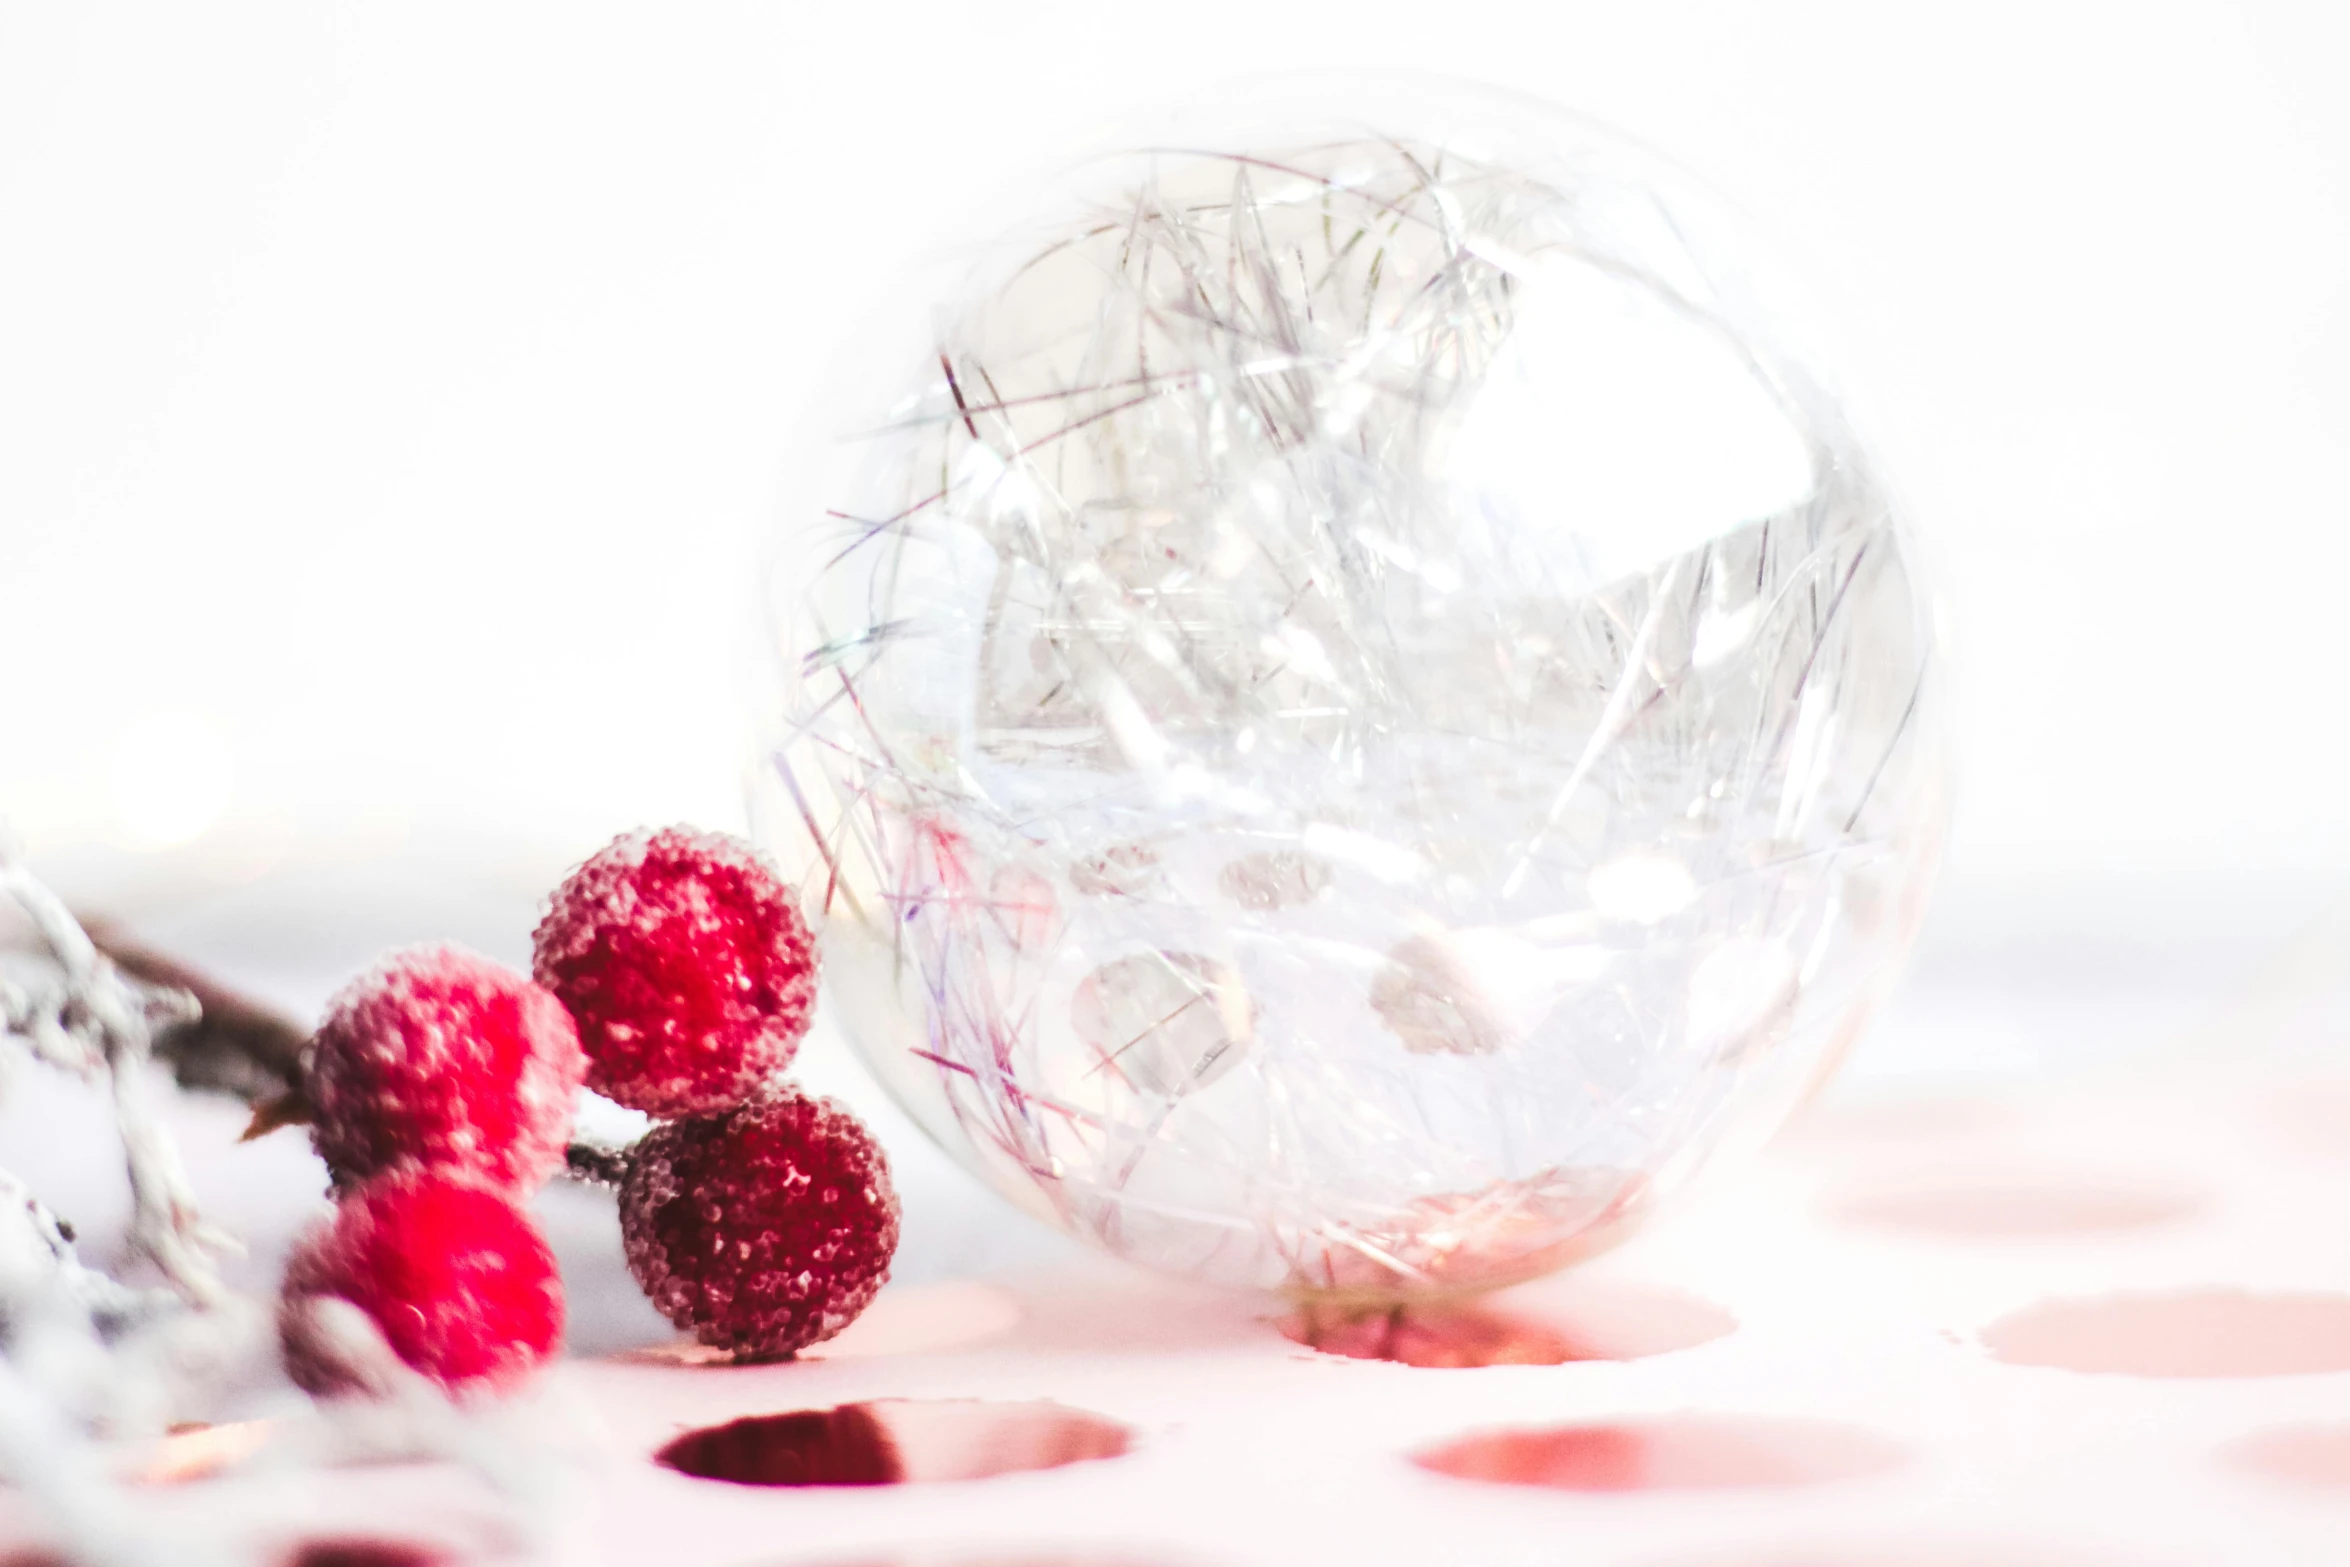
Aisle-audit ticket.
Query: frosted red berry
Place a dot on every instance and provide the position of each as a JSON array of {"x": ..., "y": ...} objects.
[
  {"x": 686, "y": 965},
  {"x": 454, "y": 1275},
  {"x": 438, "y": 1058},
  {"x": 762, "y": 1229}
]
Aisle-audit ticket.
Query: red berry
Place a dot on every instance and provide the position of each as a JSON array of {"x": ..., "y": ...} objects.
[
  {"x": 686, "y": 964},
  {"x": 454, "y": 1275},
  {"x": 763, "y": 1229},
  {"x": 438, "y": 1058}
]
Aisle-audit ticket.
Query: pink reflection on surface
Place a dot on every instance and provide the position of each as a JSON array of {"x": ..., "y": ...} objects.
[
  {"x": 2316, "y": 1457},
  {"x": 2180, "y": 1333},
  {"x": 919, "y": 1321},
  {"x": 1890, "y": 1553},
  {"x": 1054, "y": 1558},
  {"x": 894, "y": 1441},
  {"x": 1435, "y": 1336},
  {"x": 357, "y": 1552},
  {"x": 1578, "y": 1320},
  {"x": 1668, "y": 1453},
  {"x": 2011, "y": 1204},
  {"x": 925, "y": 1320},
  {"x": 2315, "y": 1113}
]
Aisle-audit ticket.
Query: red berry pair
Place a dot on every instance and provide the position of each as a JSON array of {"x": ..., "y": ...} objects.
[
  {"x": 762, "y": 1220},
  {"x": 441, "y": 1089},
  {"x": 676, "y": 976}
]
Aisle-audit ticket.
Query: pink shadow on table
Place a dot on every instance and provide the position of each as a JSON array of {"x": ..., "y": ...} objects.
[
  {"x": 2313, "y": 1457},
  {"x": 1055, "y": 1558},
  {"x": 926, "y": 1319},
  {"x": 1890, "y": 1553},
  {"x": 1687, "y": 1452},
  {"x": 2179, "y": 1333},
  {"x": 1553, "y": 1324}
]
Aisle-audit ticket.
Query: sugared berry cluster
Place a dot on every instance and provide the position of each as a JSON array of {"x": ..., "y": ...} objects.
[
  {"x": 440, "y": 1089},
  {"x": 675, "y": 975},
  {"x": 759, "y": 1218}
]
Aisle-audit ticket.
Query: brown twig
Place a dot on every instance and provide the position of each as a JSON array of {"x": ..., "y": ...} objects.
[{"x": 235, "y": 1045}]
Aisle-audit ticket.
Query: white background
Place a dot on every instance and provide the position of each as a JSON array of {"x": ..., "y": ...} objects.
[{"x": 391, "y": 398}]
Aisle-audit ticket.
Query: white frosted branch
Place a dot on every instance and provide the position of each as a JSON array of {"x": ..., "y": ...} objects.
[
  {"x": 84, "y": 1356},
  {"x": 80, "y": 1013}
]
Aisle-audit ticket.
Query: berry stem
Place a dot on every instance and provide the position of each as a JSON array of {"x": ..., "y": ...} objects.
[{"x": 597, "y": 1164}]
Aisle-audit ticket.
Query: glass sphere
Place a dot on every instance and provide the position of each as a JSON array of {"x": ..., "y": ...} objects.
[{"x": 1353, "y": 711}]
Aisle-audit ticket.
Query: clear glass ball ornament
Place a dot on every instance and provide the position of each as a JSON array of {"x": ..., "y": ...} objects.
[{"x": 1355, "y": 712}]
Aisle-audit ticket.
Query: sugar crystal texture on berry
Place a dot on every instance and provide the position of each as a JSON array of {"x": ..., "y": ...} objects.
[
  {"x": 439, "y": 1058},
  {"x": 762, "y": 1229},
  {"x": 455, "y": 1276},
  {"x": 687, "y": 966}
]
